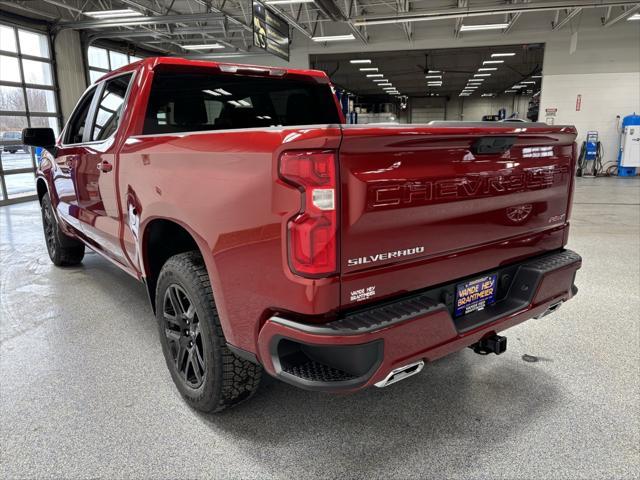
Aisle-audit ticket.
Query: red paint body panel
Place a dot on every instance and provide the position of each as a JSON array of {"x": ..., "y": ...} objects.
[{"x": 400, "y": 187}]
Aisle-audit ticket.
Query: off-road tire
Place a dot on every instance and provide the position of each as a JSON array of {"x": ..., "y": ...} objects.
[
  {"x": 63, "y": 250},
  {"x": 225, "y": 379}
]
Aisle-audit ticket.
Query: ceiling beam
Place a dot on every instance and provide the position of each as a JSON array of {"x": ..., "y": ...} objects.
[
  {"x": 566, "y": 19},
  {"x": 625, "y": 14},
  {"x": 482, "y": 10},
  {"x": 133, "y": 21}
]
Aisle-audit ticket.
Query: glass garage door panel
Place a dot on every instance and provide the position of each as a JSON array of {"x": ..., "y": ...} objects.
[
  {"x": 20, "y": 185},
  {"x": 27, "y": 99}
]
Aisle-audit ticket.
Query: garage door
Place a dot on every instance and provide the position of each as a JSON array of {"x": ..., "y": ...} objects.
[{"x": 424, "y": 110}]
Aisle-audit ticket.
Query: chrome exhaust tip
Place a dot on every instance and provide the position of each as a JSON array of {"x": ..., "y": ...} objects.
[{"x": 401, "y": 373}]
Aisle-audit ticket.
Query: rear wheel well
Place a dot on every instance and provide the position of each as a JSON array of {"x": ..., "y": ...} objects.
[
  {"x": 162, "y": 240},
  {"x": 42, "y": 189}
]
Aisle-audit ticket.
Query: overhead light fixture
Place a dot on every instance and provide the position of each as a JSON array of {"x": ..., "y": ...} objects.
[
  {"x": 492, "y": 62},
  {"x": 380, "y": 80},
  {"x": 491, "y": 69},
  {"x": 359, "y": 60},
  {"x": 528, "y": 83},
  {"x": 507, "y": 54},
  {"x": 433, "y": 76},
  {"x": 536, "y": 76},
  {"x": 518, "y": 86},
  {"x": 369, "y": 69},
  {"x": 487, "y": 95},
  {"x": 126, "y": 12},
  {"x": 202, "y": 46},
  {"x": 375, "y": 75},
  {"x": 434, "y": 84},
  {"x": 635, "y": 16},
  {"x": 487, "y": 26},
  {"x": 434, "y": 71},
  {"x": 388, "y": 84},
  {"x": 476, "y": 80},
  {"x": 482, "y": 75},
  {"x": 470, "y": 88},
  {"x": 285, "y": 2},
  {"x": 211, "y": 92},
  {"x": 510, "y": 91},
  {"x": 464, "y": 94},
  {"x": 334, "y": 38}
]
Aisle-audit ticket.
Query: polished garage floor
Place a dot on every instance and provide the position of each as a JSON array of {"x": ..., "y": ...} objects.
[{"x": 85, "y": 391}]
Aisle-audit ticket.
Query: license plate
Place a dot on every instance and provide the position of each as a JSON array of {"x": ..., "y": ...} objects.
[{"x": 475, "y": 295}]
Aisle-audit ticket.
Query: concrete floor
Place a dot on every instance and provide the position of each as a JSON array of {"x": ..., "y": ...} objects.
[{"x": 85, "y": 392}]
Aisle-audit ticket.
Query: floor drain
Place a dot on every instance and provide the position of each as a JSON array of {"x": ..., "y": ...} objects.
[{"x": 529, "y": 358}]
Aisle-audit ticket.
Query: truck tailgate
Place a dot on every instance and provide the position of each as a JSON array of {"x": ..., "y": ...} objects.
[{"x": 422, "y": 204}]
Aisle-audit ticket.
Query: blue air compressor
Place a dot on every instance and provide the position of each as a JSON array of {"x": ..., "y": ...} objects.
[
  {"x": 591, "y": 153},
  {"x": 629, "y": 154}
]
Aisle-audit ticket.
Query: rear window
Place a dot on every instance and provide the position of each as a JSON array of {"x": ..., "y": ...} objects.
[{"x": 199, "y": 101}]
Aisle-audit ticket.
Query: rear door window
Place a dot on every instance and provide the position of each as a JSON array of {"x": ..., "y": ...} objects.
[
  {"x": 109, "y": 109},
  {"x": 202, "y": 101}
]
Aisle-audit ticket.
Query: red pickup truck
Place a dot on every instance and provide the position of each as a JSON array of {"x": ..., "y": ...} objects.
[{"x": 270, "y": 235}]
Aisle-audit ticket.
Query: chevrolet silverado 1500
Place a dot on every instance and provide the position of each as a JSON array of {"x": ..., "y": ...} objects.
[{"x": 271, "y": 236}]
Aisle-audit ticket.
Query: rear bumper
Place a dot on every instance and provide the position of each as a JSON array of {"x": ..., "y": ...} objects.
[{"x": 361, "y": 347}]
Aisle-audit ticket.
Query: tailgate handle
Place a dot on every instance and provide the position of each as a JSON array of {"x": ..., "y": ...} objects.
[{"x": 489, "y": 145}]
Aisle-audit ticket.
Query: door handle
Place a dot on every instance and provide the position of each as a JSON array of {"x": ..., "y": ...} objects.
[{"x": 105, "y": 166}]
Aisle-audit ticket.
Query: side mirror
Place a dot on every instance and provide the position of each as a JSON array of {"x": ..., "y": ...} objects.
[{"x": 38, "y": 137}]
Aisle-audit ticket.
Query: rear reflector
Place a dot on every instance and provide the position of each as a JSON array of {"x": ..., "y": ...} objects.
[{"x": 312, "y": 231}]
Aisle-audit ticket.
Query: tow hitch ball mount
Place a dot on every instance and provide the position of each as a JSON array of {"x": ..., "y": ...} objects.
[{"x": 493, "y": 344}]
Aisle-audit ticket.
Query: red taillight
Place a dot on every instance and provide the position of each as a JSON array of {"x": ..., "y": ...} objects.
[{"x": 312, "y": 232}]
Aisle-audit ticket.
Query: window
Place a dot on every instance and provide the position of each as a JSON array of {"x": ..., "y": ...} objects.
[
  {"x": 202, "y": 101},
  {"x": 110, "y": 107},
  {"x": 27, "y": 99},
  {"x": 75, "y": 130},
  {"x": 102, "y": 60}
]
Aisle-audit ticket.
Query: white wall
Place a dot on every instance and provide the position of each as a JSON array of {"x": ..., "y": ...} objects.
[
  {"x": 605, "y": 71},
  {"x": 70, "y": 70}
]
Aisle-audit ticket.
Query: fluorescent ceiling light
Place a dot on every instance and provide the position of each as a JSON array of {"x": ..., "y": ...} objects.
[
  {"x": 536, "y": 76},
  {"x": 464, "y": 94},
  {"x": 482, "y": 75},
  {"x": 528, "y": 83},
  {"x": 389, "y": 88},
  {"x": 476, "y": 80},
  {"x": 518, "y": 86},
  {"x": 388, "y": 84},
  {"x": 377, "y": 80},
  {"x": 375, "y": 75},
  {"x": 369, "y": 69},
  {"x": 434, "y": 71},
  {"x": 470, "y": 88},
  {"x": 433, "y": 76},
  {"x": 492, "y": 62},
  {"x": 510, "y": 91},
  {"x": 491, "y": 69},
  {"x": 635, "y": 16},
  {"x": 334, "y": 38},
  {"x": 211, "y": 92},
  {"x": 284, "y": 2},
  {"x": 487, "y": 95},
  {"x": 360, "y": 61},
  {"x": 487, "y": 26},
  {"x": 509, "y": 54},
  {"x": 434, "y": 84},
  {"x": 127, "y": 12},
  {"x": 203, "y": 46}
]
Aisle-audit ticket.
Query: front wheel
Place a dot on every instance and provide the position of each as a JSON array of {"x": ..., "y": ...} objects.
[
  {"x": 209, "y": 376},
  {"x": 63, "y": 250}
]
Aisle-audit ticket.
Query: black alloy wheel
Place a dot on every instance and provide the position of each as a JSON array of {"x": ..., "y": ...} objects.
[{"x": 184, "y": 337}]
